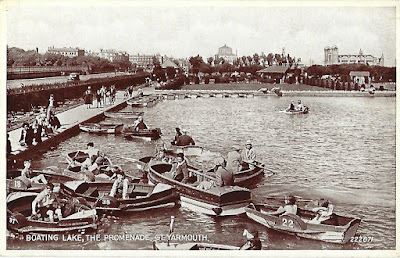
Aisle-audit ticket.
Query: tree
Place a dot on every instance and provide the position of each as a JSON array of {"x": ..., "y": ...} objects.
[
  {"x": 256, "y": 58},
  {"x": 250, "y": 59},
  {"x": 270, "y": 58},
  {"x": 244, "y": 59}
]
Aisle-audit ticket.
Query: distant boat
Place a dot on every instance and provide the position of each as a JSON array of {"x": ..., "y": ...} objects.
[
  {"x": 124, "y": 114},
  {"x": 101, "y": 128}
]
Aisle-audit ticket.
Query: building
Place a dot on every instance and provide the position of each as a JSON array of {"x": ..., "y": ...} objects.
[
  {"x": 225, "y": 52},
  {"x": 66, "y": 51},
  {"x": 144, "y": 60},
  {"x": 276, "y": 73},
  {"x": 113, "y": 55},
  {"x": 360, "y": 77},
  {"x": 332, "y": 57}
]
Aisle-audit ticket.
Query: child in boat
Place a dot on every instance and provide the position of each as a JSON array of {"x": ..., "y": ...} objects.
[
  {"x": 289, "y": 208},
  {"x": 47, "y": 205},
  {"x": 291, "y": 106},
  {"x": 324, "y": 211},
  {"x": 120, "y": 182},
  {"x": 253, "y": 242},
  {"x": 27, "y": 176},
  {"x": 181, "y": 172}
]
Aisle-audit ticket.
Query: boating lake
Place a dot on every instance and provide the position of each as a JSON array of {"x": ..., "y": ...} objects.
[{"x": 343, "y": 150}]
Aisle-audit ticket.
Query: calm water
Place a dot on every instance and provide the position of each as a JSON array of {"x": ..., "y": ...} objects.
[{"x": 343, "y": 150}]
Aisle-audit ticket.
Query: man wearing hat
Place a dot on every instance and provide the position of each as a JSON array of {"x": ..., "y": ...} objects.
[
  {"x": 234, "y": 160},
  {"x": 253, "y": 242},
  {"x": 185, "y": 139},
  {"x": 224, "y": 177},
  {"x": 248, "y": 154}
]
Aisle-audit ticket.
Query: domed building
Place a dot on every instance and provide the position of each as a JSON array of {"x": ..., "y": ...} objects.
[{"x": 225, "y": 52}]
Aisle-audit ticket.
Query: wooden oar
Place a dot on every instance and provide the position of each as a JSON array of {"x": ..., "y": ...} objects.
[{"x": 138, "y": 162}]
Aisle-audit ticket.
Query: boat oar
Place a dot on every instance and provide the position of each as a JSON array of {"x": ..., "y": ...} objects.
[
  {"x": 139, "y": 164},
  {"x": 171, "y": 228}
]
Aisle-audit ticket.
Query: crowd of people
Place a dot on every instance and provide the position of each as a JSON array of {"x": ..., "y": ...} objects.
[
  {"x": 101, "y": 95},
  {"x": 44, "y": 125}
]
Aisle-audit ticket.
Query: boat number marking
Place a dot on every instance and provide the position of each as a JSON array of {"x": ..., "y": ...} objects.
[
  {"x": 361, "y": 239},
  {"x": 17, "y": 184},
  {"x": 12, "y": 220},
  {"x": 287, "y": 223}
]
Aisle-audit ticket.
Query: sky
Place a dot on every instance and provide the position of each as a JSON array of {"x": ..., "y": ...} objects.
[{"x": 180, "y": 29}]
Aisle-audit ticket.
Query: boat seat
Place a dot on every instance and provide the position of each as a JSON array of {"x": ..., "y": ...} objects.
[{"x": 90, "y": 191}]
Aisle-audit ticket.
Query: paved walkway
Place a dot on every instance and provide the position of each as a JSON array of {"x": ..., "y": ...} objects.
[{"x": 69, "y": 119}]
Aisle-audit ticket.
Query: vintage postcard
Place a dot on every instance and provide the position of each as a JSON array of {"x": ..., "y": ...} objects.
[{"x": 240, "y": 128}]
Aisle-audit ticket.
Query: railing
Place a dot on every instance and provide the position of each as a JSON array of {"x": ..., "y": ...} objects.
[{"x": 43, "y": 69}]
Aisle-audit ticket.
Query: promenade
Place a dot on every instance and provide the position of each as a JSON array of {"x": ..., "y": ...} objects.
[{"x": 69, "y": 120}]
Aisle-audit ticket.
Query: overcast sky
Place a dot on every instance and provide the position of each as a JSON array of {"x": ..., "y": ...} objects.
[{"x": 184, "y": 31}]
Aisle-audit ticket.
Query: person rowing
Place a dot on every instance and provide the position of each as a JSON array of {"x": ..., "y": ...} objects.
[
  {"x": 248, "y": 155},
  {"x": 299, "y": 106},
  {"x": 289, "y": 208},
  {"x": 324, "y": 211},
  {"x": 122, "y": 181},
  {"x": 291, "y": 106},
  {"x": 185, "y": 140},
  {"x": 139, "y": 124}
]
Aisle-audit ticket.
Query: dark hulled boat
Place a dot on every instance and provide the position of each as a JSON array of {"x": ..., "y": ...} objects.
[
  {"x": 216, "y": 201},
  {"x": 19, "y": 208},
  {"x": 140, "y": 196}
]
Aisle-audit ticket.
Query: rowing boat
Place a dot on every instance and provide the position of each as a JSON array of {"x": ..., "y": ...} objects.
[
  {"x": 337, "y": 229},
  {"x": 140, "y": 196},
  {"x": 296, "y": 112},
  {"x": 124, "y": 114},
  {"x": 152, "y": 134},
  {"x": 101, "y": 128},
  {"x": 76, "y": 216},
  {"x": 215, "y": 201}
]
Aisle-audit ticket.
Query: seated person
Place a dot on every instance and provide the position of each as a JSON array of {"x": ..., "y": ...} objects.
[
  {"x": 234, "y": 160},
  {"x": 325, "y": 211},
  {"x": 224, "y": 177},
  {"x": 178, "y": 133},
  {"x": 37, "y": 132},
  {"x": 27, "y": 175},
  {"x": 54, "y": 122},
  {"x": 248, "y": 156},
  {"x": 185, "y": 139},
  {"x": 27, "y": 135},
  {"x": 139, "y": 124},
  {"x": 253, "y": 242},
  {"x": 181, "y": 172},
  {"x": 46, "y": 204},
  {"x": 205, "y": 185},
  {"x": 291, "y": 106},
  {"x": 120, "y": 182},
  {"x": 299, "y": 106},
  {"x": 289, "y": 208},
  {"x": 91, "y": 150},
  {"x": 161, "y": 156}
]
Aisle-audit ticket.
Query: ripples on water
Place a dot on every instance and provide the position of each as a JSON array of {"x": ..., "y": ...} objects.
[{"x": 343, "y": 150}]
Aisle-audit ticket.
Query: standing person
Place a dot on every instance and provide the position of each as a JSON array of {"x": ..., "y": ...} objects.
[
  {"x": 224, "y": 177},
  {"x": 103, "y": 92},
  {"x": 181, "y": 173},
  {"x": 88, "y": 97},
  {"x": 234, "y": 160},
  {"x": 8, "y": 145},
  {"x": 50, "y": 107},
  {"x": 130, "y": 90},
  {"x": 185, "y": 139},
  {"x": 37, "y": 132},
  {"x": 27, "y": 135},
  {"x": 98, "y": 98},
  {"x": 113, "y": 94},
  {"x": 248, "y": 155}
]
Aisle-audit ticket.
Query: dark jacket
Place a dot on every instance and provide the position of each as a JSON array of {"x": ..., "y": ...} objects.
[
  {"x": 184, "y": 140},
  {"x": 29, "y": 136}
]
